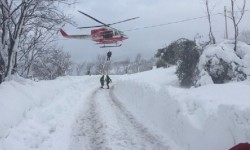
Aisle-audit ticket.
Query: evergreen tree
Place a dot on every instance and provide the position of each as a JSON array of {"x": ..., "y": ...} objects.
[
  {"x": 187, "y": 62},
  {"x": 170, "y": 55}
]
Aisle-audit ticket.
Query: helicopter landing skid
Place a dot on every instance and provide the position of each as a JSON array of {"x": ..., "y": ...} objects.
[{"x": 111, "y": 46}]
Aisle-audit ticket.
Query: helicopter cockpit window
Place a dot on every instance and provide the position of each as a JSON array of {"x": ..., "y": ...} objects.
[
  {"x": 120, "y": 33},
  {"x": 116, "y": 32},
  {"x": 107, "y": 34}
]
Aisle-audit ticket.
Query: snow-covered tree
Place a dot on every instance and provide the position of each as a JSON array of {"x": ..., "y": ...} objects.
[
  {"x": 31, "y": 46},
  {"x": 52, "y": 64},
  {"x": 170, "y": 55},
  {"x": 101, "y": 65},
  {"x": 147, "y": 64},
  {"x": 137, "y": 62},
  {"x": 80, "y": 68},
  {"x": 89, "y": 67},
  {"x": 27, "y": 18},
  {"x": 121, "y": 67}
]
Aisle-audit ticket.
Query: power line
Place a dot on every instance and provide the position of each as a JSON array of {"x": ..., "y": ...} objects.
[
  {"x": 169, "y": 23},
  {"x": 175, "y": 22}
]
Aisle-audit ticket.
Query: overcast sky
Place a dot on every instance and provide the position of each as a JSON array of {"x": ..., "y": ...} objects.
[{"x": 151, "y": 12}]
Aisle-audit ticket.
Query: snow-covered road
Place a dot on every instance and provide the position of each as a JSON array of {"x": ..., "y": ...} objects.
[
  {"x": 106, "y": 124},
  {"x": 140, "y": 112}
]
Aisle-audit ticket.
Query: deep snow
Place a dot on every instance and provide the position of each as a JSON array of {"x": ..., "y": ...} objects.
[
  {"x": 73, "y": 113},
  {"x": 209, "y": 117}
]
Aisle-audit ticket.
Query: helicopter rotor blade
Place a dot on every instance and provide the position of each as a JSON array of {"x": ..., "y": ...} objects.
[
  {"x": 123, "y": 21},
  {"x": 108, "y": 24},
  {"x": 92, "y": 18},
  {"x": 91, "y": 27}
]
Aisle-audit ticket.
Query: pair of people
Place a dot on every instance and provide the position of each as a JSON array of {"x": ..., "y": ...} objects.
[{"x": 107, "y": 79}]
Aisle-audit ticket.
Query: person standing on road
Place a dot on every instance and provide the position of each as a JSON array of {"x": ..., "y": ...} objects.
[
  {"x": 108, "y": 80},
  {"x": 102, "y": 81}
]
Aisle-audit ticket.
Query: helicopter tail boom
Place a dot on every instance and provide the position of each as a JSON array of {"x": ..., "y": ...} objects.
[{"x": 64, "y": 34}]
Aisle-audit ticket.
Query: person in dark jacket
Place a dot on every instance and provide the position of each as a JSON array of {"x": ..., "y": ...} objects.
[
  {"x": 108, "y": 80},
  {"x": 102, "y": 81},
  {"x": 109, "y": 55}
]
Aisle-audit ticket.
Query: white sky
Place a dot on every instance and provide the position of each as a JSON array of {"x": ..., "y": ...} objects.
[{"x": 151, "y": 12}]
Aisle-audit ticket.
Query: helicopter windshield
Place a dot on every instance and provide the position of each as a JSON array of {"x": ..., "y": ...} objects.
[{"x": 117, "y": 32}]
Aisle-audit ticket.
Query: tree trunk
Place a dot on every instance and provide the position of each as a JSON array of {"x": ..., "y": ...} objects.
[
  {"x": 211, "y": 35},
  {"x": 236, "y": 22},
  {"x": 10, "y": 61},
  {"x": 11, "y": 57},
  {"x": 235, "y": 25},
  {"x": 235, "y": 37},
  {"x": 2, "y": 68}
]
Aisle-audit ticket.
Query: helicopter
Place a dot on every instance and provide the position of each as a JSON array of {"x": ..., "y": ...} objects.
[{"x": 105, "y": 35}]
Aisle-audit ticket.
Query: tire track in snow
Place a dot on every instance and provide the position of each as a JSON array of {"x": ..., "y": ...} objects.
[
  {"x": 88, "y": 132},
  {"x": 147, "y": 139},
  {"x": 107, "y": 125}
]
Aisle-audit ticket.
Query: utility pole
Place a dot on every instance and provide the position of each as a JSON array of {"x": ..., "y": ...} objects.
[{"x": 225, "y": 14}]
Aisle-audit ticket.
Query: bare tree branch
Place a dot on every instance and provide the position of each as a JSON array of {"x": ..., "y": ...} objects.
[{"x": 235, "y": 20}]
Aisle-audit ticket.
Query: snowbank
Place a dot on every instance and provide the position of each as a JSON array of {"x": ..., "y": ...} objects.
[
  {"x": 17, "y": 98},
  {"x": 157, "y": 77},
  {"x": 208, "y": 117},
  {"x": 39, "y": 115}
]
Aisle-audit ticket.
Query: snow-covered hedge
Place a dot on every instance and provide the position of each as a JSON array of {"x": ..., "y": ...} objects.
[{"x": 220, "y": 63}]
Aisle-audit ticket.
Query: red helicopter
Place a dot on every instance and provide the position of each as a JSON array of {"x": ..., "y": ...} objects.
[{"x": 106, "y": 35}]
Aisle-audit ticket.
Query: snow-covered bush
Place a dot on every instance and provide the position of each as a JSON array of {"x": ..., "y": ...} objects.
[{"x": 221, "y": 63}]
